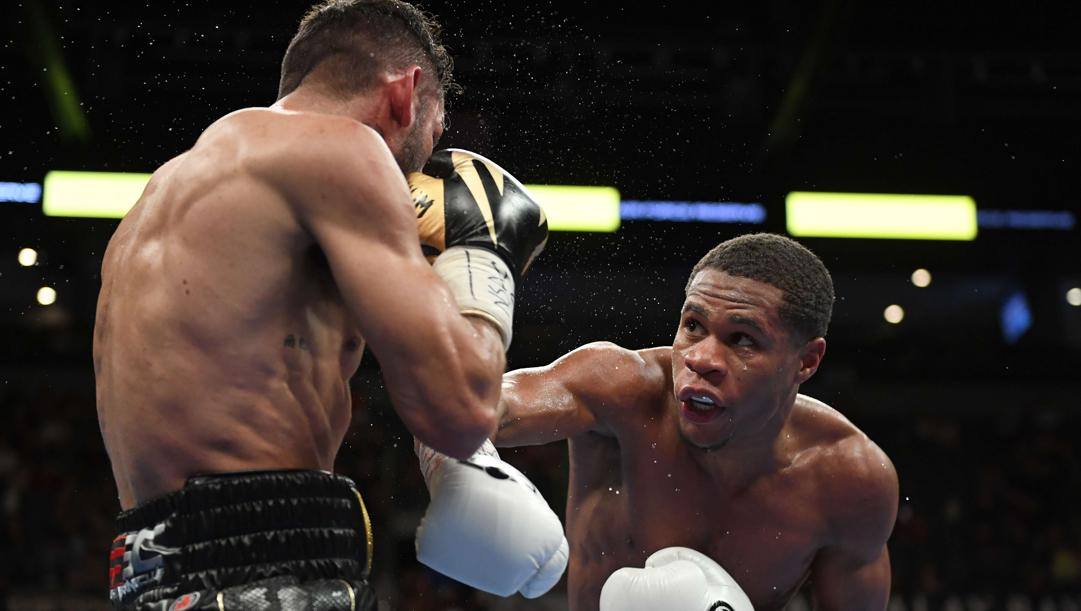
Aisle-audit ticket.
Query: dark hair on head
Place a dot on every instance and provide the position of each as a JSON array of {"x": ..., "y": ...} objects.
[
  {"x": 807, "y": 304},
  {"x": 360, "y": 39}
]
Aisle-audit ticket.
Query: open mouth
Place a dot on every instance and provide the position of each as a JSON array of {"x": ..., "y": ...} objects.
[
  {"x": 700, "y": 407},
  {"x": 702, "y": 403}
]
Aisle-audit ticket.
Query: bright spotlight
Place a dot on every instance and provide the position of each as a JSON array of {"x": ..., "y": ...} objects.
[
  {"x": 894, "y": 314},
  {"x": 921, "y": 278},
  {"x": 28, "y": 257},
  {"x": 1073, "y": 296},
  {"x": 46, "y": 295}
]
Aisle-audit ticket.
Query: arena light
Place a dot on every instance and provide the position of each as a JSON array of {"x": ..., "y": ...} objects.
[
  {"x": 693, "y": 212},
  {"x": 1054, "y": 220},
  {"x": 573, "y": 208},
  {"x": 20, "y": 192},
  {"x": 28, "y": 257},
  {"x": 1015, "y": 317},
  {"x": 1073, "y": 296},
  {"x": 894, "y": 314},
  {"x": 92, "y": 194},
  {"x": 921, "y": 278},
  {"x": 46, "y": 295},
  {"x": 881, "y": 215}
]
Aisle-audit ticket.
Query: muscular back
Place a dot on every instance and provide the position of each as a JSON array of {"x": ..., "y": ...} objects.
[{"x": 221, "y": 342}]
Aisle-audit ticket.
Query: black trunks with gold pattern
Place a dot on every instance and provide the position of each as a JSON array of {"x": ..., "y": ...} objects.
[{"x": 252, "y": 541}]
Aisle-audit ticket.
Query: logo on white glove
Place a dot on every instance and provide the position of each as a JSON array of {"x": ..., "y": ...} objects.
[{"x": 498, "y": 473}]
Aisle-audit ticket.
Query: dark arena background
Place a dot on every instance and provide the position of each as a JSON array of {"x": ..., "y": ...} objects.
[{"x": 705, "y": 118}]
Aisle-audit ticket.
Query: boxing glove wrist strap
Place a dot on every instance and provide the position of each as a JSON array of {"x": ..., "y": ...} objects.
[
  {"x": 482, "y": 285},
  {"x": 431, "y": 461}
]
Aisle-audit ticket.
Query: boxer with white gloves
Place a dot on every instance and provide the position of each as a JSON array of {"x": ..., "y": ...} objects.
[
  {"x": 708, "y": 443},
  {"x": 675, "y": 579},
  {"x": 487, "y": 526}
]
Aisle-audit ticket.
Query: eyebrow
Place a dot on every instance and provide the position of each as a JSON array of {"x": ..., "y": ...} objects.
[
  {"x": 697, "y": 309},
  {"x": 737, "y": 319},
  {"x": 747, "y": 321}
]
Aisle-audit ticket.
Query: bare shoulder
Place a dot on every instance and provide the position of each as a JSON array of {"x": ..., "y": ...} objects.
[
  {"x": 125, "y": 230},
  {"x": 639, "y": 361},
  {"x": 611, "y": 373},
  {"x": 310, "y": 158},
  {"x": 601, "y": 375},
  {"x": 313, "y": 131},
  {"x": 312, "y": 145},
  {"x": 597, "y": 388},
  {"x": 619, "y": 384},
  {"x": 856, "y": 480}
]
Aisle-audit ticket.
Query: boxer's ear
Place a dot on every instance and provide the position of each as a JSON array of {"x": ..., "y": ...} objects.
[
  {"x": 810, "y": 356},
  {"x": 401, "y": 90}
]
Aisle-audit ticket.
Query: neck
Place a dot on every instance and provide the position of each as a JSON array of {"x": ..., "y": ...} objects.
[{"x": 311, "y": 99}]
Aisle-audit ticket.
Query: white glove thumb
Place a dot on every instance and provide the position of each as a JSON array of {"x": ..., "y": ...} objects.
[
  {"x": 678, "y": 586},
  {"x": 723, "y": 590}
]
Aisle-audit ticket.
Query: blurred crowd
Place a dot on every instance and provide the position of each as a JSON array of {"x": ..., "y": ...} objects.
[
  {"x": 990, "y": 508},
  {"x": 989, "y": 515}
]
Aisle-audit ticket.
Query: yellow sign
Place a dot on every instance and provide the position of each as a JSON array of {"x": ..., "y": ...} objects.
[
  {"x": 91, "y": 194},
  {"x": 874, "y": 215},
  {"x": 578, "y": 208}
]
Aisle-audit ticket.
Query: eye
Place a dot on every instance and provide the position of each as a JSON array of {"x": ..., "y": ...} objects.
[
  {"x": 691, "y": 325},
  {"x": 743, "y": 340}
]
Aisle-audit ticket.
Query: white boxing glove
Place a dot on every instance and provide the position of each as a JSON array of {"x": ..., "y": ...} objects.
[
  {"x": 675, "y": 579},
  {"x": 487, "y": 526}
]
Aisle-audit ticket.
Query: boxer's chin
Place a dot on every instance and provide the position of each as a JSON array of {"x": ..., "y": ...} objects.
[
  {"x": 411, "y": 156},
  {"x": 711, "y": 433}
]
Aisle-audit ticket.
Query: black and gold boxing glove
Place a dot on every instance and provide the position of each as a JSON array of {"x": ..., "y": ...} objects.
[{"x": 482, "y": 228}]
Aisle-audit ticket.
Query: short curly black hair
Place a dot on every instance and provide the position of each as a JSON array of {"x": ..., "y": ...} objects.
[
  {"x": 786, "y": 264},
  {"x": 362, "y": 38}
]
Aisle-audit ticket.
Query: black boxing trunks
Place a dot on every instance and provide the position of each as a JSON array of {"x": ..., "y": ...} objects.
[{"x": 268, "y": 540}]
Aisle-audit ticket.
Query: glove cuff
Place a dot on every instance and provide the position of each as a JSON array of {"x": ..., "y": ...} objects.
[
  {"x": 482, "y": 285},
  {"x": 432, "y": 461}
]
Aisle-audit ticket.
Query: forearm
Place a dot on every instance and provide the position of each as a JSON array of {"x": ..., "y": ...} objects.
[
  {"x": 492, "y": 362},
  {"x": 570, "y": 397},
  {"x": 448, "y": 394},
  {"x": 535, "y": 409}
]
